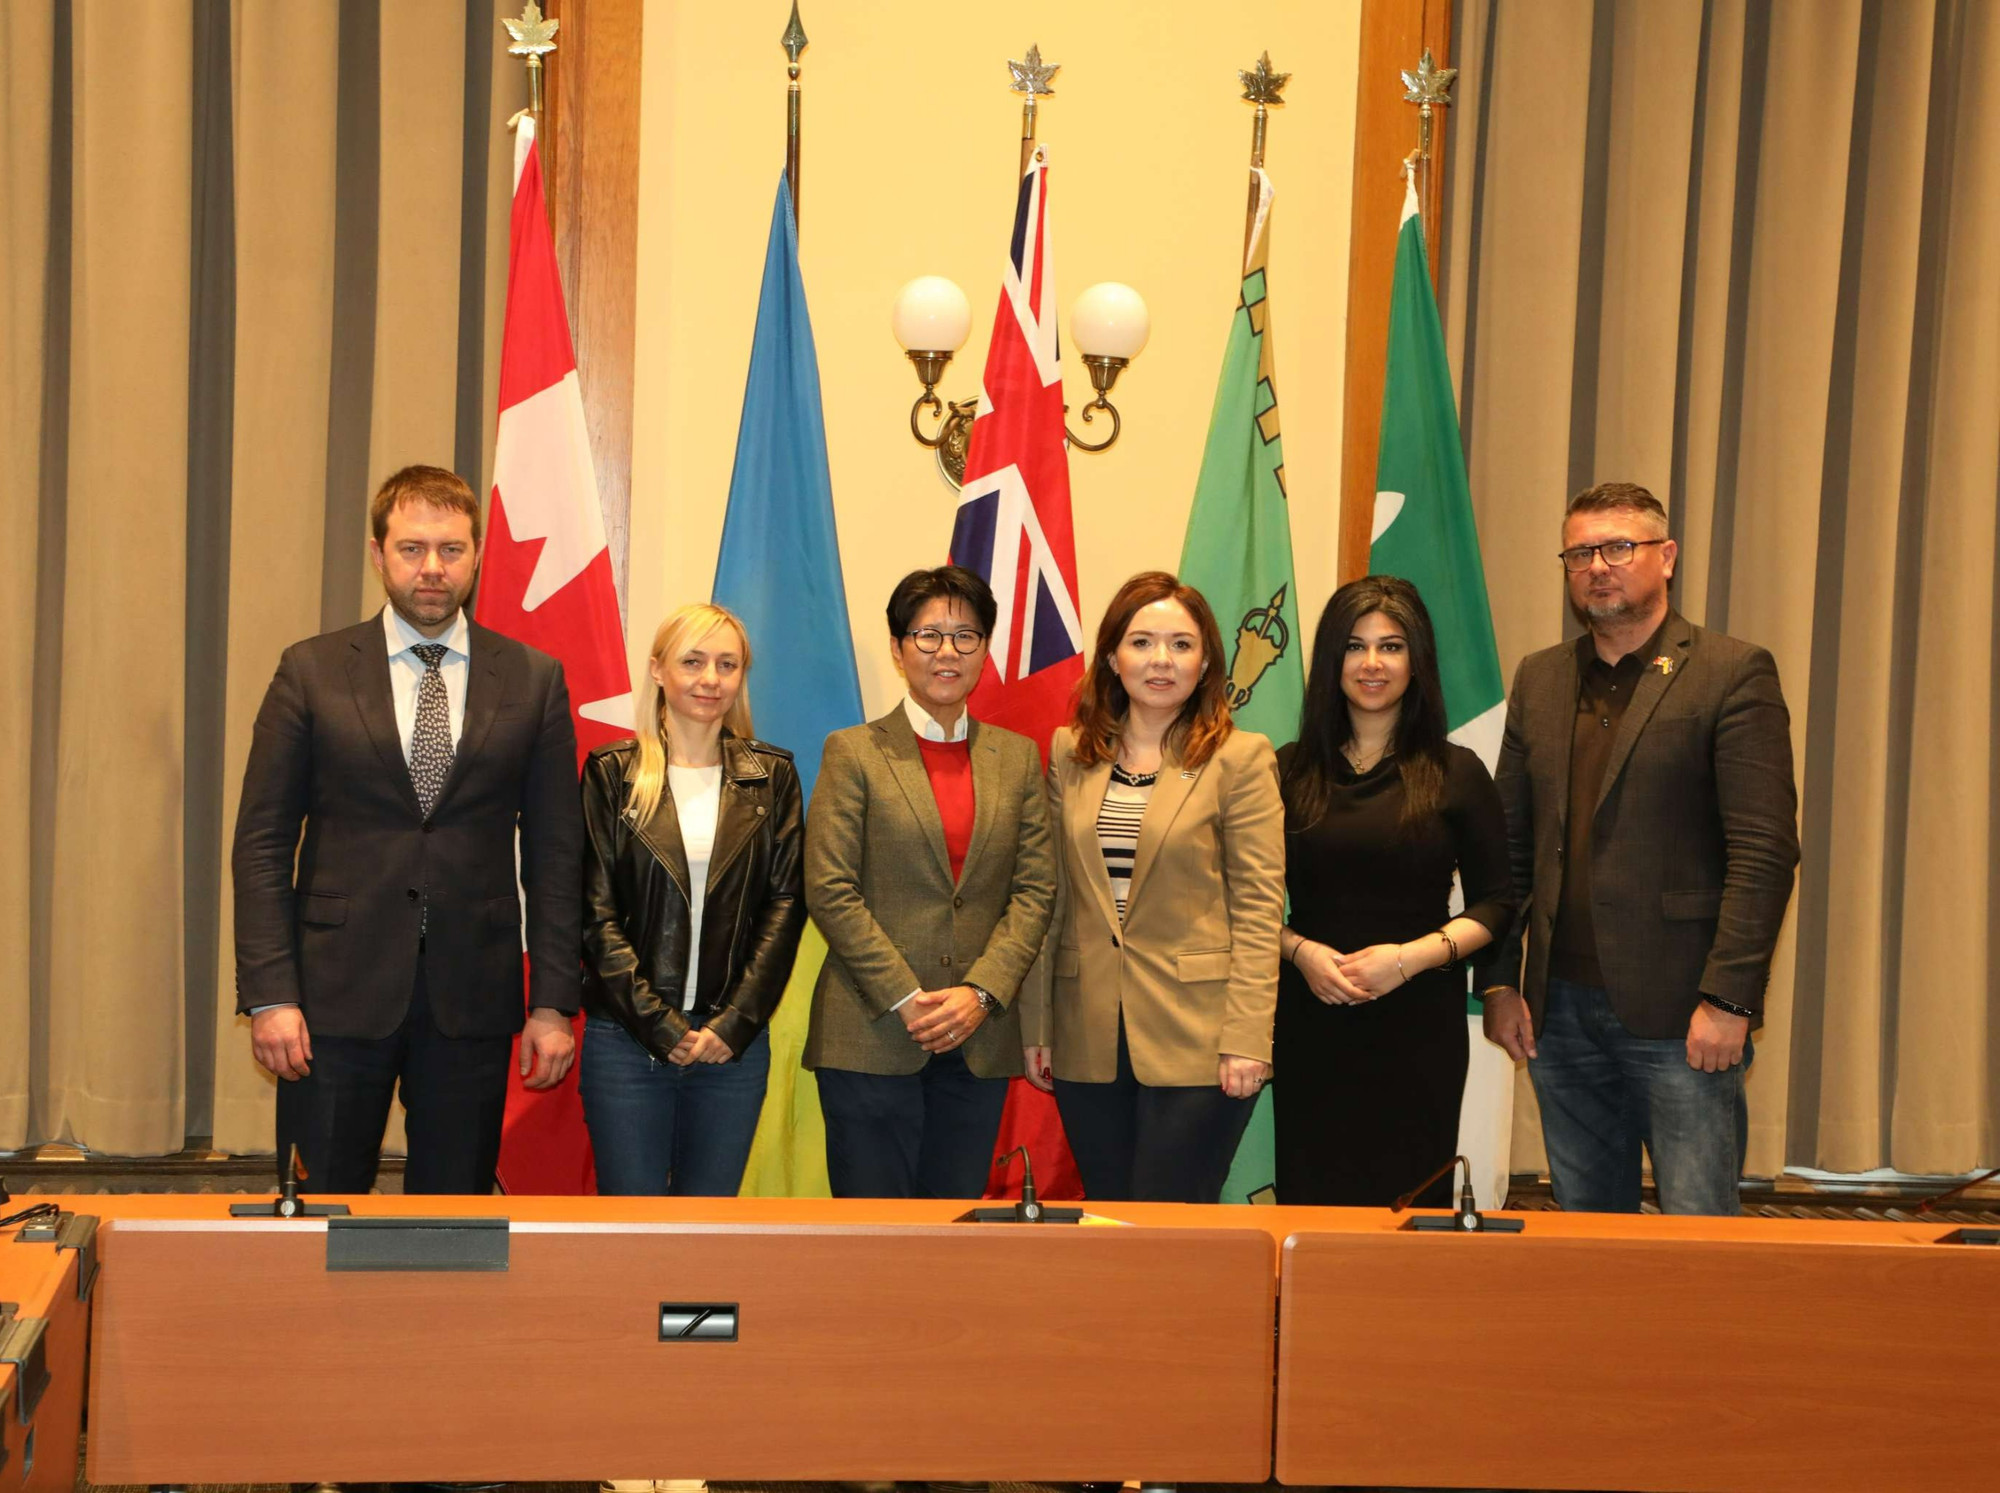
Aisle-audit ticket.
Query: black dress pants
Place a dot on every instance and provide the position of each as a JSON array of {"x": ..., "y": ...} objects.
[
  {"x": 454, "y": 1096},
  {"x": 1138, "y": 1143},
  {"x": 928, "y": 1134}
]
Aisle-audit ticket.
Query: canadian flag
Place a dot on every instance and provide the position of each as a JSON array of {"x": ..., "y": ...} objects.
[{"x": 546, "y": 580}]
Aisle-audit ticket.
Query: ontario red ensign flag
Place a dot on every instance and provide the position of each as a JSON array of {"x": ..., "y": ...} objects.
[{"x": 1013, "y": 527}]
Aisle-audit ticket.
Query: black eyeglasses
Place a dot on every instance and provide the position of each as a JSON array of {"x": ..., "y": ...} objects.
[
  {"x": 930, "y": 639},
  {"x": 1615, "y": 551}
]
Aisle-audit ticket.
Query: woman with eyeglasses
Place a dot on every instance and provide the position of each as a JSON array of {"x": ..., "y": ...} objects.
[
  {"x": 1156, "y": 1034},
  {"x": 692, "y": 910},
  {"x": 1380, "y": 811},
  {"x": 928, "y": 870}
]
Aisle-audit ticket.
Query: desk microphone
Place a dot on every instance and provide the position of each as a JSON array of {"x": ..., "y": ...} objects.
[
  {"x": 288, "y": 1203},
  {"x": 1028, "y": 1210},
  {"x": 1467, "y": 1219}
]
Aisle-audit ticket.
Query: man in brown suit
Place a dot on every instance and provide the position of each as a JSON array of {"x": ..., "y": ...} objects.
[
  {"x": 929, "y": 872},
  {"x": 1646, "y": 772}
]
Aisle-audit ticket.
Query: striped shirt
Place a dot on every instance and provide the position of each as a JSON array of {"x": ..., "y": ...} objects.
[{"x": 1118, "y": 821}]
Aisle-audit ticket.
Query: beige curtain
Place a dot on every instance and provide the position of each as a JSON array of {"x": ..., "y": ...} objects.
[
  {"x": 1748, "y": 254},
  {"x": 256, "y": 259}
]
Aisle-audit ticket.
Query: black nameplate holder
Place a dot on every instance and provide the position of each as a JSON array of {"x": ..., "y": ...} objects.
[{"x": 433, "y": 1244}]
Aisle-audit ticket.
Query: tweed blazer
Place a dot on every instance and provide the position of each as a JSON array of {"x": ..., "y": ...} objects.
[
  {"x": 879, "y": 886},
  {"x": 1695, "y": 837},
  {"x": 1194, "y": 969}
]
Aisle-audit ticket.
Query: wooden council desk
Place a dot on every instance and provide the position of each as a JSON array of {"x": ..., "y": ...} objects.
[
  {"x": 1604, "y": 1351},
  {"x": 1588, "y": 1352},
  {"x": 871, "y": 1341}
]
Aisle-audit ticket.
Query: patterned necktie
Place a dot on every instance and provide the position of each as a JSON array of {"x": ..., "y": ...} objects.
[{"x": 430, "y": 739}]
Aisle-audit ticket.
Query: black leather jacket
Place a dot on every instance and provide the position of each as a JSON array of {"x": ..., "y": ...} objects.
[{"x": 635, "y": 902}]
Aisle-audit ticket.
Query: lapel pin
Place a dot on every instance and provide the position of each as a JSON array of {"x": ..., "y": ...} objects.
[{"x": 1665, "y": 665}]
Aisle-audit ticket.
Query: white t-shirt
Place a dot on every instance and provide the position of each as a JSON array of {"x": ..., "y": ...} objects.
[{"x": 698, "y": 801}]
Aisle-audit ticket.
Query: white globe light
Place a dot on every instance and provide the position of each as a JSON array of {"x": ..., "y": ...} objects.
[
  {"x": 932, "y": 315},
  {"x": 1110, "y": 320}
]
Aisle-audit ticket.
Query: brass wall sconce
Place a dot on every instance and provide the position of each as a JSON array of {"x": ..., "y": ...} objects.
[{"x": 1109, "y": 325}]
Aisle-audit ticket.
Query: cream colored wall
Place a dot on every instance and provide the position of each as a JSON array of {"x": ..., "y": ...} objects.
[{"x": 911, "y": 144}]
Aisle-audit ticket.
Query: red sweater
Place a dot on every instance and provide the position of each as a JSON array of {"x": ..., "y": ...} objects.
[{"x": 948, "y": 764}]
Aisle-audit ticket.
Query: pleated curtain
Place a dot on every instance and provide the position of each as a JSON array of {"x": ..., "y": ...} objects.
[
  {"x": 256, "y": 257},
  {"x": 1748, "y": 254}
]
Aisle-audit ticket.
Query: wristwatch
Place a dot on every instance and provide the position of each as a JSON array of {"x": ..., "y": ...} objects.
[
  {"x": 1730, "y": 1006},
  {"x": 988, "y": 1001}
]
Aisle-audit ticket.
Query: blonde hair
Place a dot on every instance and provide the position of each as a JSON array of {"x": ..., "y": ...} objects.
[{"x": 681, "y": 628}]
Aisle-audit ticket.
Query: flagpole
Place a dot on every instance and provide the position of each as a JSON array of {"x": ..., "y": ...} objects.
[
  {"x": 1263, "y": 88},
  {"x": 794, "y": 42},
  {"x": 1031, "y": 78}
]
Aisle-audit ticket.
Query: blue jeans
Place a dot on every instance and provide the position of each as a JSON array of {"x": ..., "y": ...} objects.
[
  {"x": 1605, "y": 1093},
  {"x": 663, "y": 1131}
]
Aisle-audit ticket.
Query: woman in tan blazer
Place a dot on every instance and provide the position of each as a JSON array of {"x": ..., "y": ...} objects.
[{"x": 1155, "y": 1029}]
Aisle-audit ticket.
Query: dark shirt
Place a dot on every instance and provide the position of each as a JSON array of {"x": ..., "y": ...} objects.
[{"x": 1603, "y": 691}]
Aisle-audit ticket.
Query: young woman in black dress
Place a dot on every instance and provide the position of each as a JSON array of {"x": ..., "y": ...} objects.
[{"x": 1371, "y": 1043}]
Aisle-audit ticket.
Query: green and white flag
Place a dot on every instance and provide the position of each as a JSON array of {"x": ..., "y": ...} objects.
[
  {"x": 1424, "y": 532},
  {"x": 1238, "y": 554}
]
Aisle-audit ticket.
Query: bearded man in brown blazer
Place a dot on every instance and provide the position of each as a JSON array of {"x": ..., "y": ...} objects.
[
  {"x": 1647, "y": 777},
  {"x": 930, "y": 874}
]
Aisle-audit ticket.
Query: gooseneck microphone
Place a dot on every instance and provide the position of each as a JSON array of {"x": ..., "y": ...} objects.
[
  {"x": 1465, "y": 1197},
  {"x": 1028, "y": 1210},
  {"x": 1466, "y": 1219}
]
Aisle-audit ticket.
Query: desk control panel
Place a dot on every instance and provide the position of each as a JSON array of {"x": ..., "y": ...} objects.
[{"x": 698, "y": 1321}]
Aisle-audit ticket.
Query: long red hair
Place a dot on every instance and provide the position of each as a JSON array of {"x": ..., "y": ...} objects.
[{"x": 1102, "y": 704}]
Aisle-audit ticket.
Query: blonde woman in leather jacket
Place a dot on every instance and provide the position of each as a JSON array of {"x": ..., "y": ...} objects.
[{"x": 693, "y": 906}]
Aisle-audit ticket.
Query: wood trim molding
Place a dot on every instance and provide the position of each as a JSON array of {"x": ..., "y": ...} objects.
[
  {"x": 1394, "y": 34},
  {"x": 592, "y": 172}
]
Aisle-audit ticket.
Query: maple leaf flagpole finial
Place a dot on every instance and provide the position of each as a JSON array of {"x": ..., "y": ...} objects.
[
  {"x": 1260, "y": 84},
  {"x": 534, "y": 37},
  {"x": 1429, "y": 86},
  {"x": 1263, "y": 87},
  {"x": 1031, "y": 78}
]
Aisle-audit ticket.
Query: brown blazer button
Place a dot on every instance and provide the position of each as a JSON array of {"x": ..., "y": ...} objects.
[
  {"x": 958, "y": 901},
  {"x": 945, "y": 960}
]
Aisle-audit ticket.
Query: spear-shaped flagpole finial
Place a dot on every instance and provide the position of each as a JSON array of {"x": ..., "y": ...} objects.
[
  {"x": 794, "y": 42},
  {"x": 534, "y": 37}
]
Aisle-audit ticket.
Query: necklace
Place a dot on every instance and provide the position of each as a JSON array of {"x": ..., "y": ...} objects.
[{"x": 1362, "y": 761}]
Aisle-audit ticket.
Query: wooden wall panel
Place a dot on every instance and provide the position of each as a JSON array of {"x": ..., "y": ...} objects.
[{"x": 591, "y": 157}]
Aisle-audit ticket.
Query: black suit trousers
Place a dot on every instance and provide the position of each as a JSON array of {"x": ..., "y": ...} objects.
[{"x": 454, "y": 1095}]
